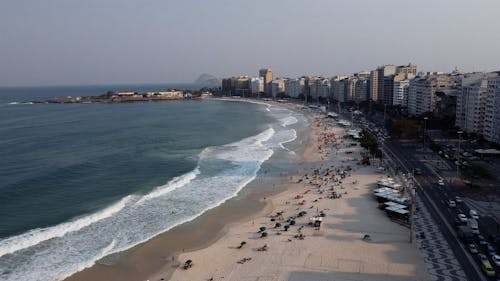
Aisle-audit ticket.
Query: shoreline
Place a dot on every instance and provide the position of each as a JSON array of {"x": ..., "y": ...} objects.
[
  {"x": 217, "y": 232},
  {"x": 336, "y": 251},
  {"x": 130, "y": 264}
]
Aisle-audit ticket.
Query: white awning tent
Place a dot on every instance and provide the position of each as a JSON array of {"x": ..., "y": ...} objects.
[
  {"x": 398, "y": 210},
  {"x": 489, "y": 151}
]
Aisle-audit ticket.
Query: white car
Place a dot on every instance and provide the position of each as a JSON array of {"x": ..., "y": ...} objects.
[
  {"x": 441, "y": 182},
  {"x": 473, "y": 248},
  {"x": 462, "y": 217},
  {"x": 451, "y": 204},
  {"x": 458, "y": 199},
  {"x": 473, "y": 214},
  {"x": 496, "y": 260}
]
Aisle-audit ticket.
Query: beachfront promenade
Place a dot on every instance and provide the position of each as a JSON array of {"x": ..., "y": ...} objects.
[{"x": 331, "y": 185}]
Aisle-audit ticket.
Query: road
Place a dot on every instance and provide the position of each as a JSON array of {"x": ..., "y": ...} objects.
[{"x": 434, "y": 197}]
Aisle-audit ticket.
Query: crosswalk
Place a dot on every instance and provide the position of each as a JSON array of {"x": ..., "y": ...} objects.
[{"x": 439, "y": 259}]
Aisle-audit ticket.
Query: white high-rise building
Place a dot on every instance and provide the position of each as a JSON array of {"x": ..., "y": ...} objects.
[
  {"x": 474, "y": 98},
  {"x": 492, "y": 114},
  {"x": 422, "y": 92},
  {"x": 339, "y": 87},
  {"x": 277, "y": 87},
  {"x": 319, "y": 87},
  {"x": 478, "y": 105},
  {"x": 257, "y": 85},
  {"x": 400, "y": 91},
  {"x": 362, "y": 91},
  {"x": 294, "y": 87}
]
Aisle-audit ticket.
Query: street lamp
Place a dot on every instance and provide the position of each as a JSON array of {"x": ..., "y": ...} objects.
[
  {"x": 412, "y": 207},
  {"x": 458, "y": 151},
  {"x": 425, "y": 128}
]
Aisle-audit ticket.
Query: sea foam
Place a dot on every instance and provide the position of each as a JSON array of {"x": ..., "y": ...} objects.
[
  {"x": 35, "y": 236},
  {"x": 56, "y": 252}
]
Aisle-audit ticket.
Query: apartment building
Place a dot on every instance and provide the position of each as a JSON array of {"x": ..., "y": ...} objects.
[
  {"x": 257, "y": 85},
  {"x": 267, "y": 75},
  {"x": 422, "y": 92},
  {"x": 400, "y": 90},
  {"x": 492, "y": 113},
  {"x": 294, "y": 87}
]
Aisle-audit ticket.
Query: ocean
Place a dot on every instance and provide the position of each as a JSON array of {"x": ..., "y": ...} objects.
[{"x": 79, "y": 182}]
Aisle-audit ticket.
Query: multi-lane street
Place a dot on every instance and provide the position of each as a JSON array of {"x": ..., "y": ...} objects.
[{"x": 435, "y": 197}]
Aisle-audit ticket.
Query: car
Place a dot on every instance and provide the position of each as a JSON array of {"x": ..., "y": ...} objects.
[
  {"x": 462, "y": 217},
  {"x": 483, "y": 258},
  {"x": 473, "y": 248},
  {"x": 496, "y": 260},
  {"x": 473, "y": 214},
  {"x": 491, "y": 250},
  {"x": 458, "y": 199},
  {"x": 451, "y": 203},
  {"x": 459, "y": 223},
  {"x": 481, "y": 240},
  {"x": 440, "y": 182},
  {"x": 418, "y": 171},
  {"x": 488, "y": 269}
]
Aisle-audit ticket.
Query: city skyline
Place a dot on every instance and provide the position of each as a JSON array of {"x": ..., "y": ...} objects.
[{"x": 122, "y": 42}]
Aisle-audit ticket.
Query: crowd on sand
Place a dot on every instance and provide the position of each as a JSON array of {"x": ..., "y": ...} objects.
[{"x": 328, "y": 175}]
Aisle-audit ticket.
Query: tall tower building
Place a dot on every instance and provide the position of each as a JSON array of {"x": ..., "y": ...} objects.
[
  {"x": 373, "y": 94},
  {"x": 267, "y": 74},
  {"x": 382, "y": 73}
]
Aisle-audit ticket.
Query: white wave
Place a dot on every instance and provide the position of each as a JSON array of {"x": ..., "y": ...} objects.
[
  {"x": 287, "y": 121},
  {"x": 14, "y": 102},
  {"x": 64, "y": 272},
  {"x": 171, "y": 185},
  {"x": 248, "y": 154},
  {"x": 36, "y": 236},
  {"x": 221, "y": 173},
  {"x": 290, "y": 139}
]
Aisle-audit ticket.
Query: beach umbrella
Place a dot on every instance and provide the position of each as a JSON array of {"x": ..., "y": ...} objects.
[
  {"x": 264, "y": 234},
  {"x": 287, "y": 227},
  {"x": 292, "y": 222},
  {"x": 262, "y": 228},
  {"x": 277, "y": 225},
  {"x": 273, "y": 219},
  {"x": 189, "y": 262}
]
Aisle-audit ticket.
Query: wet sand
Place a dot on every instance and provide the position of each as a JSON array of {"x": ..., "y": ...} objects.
[
  {"x": 160, "y": 254},
  {"x": 336, "y": 252}
]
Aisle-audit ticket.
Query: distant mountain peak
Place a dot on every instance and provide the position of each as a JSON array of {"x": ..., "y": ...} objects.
[{"x": 208, "y": 80}]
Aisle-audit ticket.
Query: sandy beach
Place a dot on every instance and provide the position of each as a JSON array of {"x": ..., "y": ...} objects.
[
  {"x": 335, "y": 251},
  {"x": 328, "y": 184}
]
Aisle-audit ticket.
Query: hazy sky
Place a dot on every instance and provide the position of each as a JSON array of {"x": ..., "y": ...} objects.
[{"x": 64, "y": 42}]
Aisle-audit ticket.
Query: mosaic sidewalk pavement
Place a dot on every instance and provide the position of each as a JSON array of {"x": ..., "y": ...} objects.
[{"x": 439, "y": 258}]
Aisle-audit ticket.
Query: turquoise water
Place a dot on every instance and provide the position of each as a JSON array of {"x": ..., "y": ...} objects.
[{"x": 81, "y": 181}]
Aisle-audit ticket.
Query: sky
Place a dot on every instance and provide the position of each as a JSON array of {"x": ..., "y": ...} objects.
[{"x": 91, "y": 42}]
